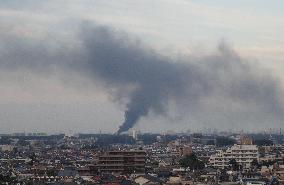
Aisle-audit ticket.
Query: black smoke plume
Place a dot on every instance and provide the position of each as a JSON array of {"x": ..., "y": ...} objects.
[
  {"x": 149, "y": 80},
  {"x": 121, "y": 61}
]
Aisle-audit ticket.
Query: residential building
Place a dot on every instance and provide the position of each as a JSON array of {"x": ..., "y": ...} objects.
[
  {"x": 245, "y": 140},
  {"x": 243, "y": 154},
  {"x": 122, "y": 161}
]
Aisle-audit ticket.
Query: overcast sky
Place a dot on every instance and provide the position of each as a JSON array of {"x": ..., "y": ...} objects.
[{"x": 46, "y": 45}]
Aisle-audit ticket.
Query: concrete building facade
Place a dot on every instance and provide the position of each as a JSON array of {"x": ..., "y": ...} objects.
[
  {"x": 243, "y": 154},
  {"x": 122, "y": 162}
]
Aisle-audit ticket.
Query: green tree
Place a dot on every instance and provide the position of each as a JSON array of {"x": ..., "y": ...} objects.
[
  {"x": 254, "y": 163},
  {"x": 191, "y": 161},
  {"x": 233, "y": 164},
  {"x": 224, "y": 141}
]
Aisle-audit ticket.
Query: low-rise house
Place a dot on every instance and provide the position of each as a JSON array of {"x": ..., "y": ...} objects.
[{"x": 147, "y": 179}]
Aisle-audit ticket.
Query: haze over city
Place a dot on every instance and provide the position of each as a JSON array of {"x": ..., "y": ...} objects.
[{"x": 90, "y": 66}]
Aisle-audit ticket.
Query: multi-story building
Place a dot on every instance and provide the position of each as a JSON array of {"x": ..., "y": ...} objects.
[
  {"x": 245, "y": 140},
  {"x": 122, "y": 162},
  {"x": 7, "y": 148},
  {"x": 243, "y": 154}
]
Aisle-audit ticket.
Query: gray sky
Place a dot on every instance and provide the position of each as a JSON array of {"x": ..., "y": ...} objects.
[{"x": 48, "y": 48}]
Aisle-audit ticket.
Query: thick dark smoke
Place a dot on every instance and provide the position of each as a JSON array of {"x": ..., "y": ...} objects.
[
  {"x": 121, "y": 61},
  {"x": 149, "y": 80}
]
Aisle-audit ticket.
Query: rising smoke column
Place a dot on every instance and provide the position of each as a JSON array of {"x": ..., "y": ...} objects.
[
  {"x": 121, "y": 62},
  {"x": 149, "y": 80}
]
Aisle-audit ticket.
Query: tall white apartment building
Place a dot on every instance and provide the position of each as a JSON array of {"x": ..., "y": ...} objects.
[{"x": 243, "y": 154}]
